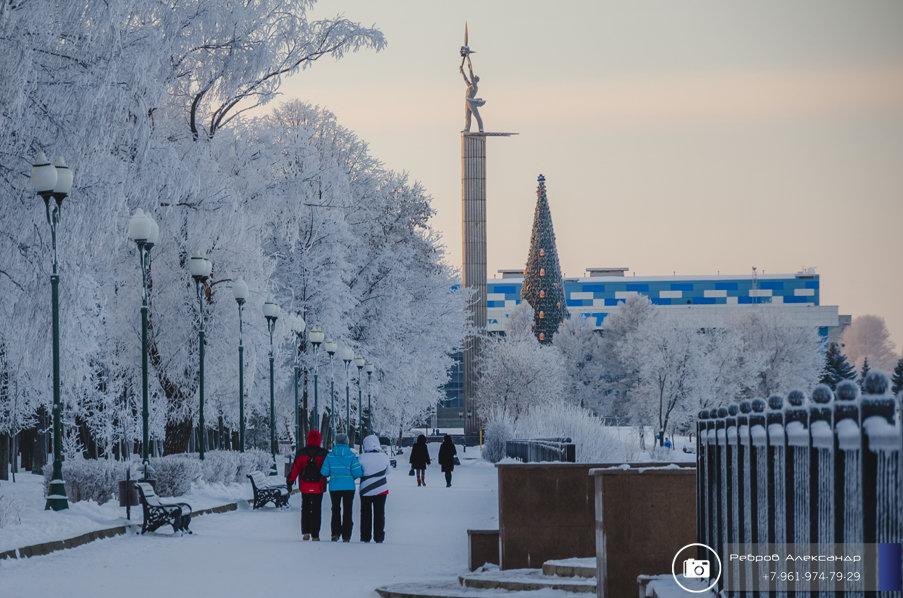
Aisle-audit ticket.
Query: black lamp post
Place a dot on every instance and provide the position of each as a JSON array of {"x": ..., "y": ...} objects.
[
  {"x": 240, "y": 292},
  {"x": 200, "y": 268},
  {"x": 298, "y": 326},
  {"x": 331, "y": 348},
  {"x": 143, "y": 230},
  {"x": 316, "y": 337},
  {"x": 347, "y": 358},
  {"x": 271, "y": 313},
  {"x": 359, "y": 363},
  {"x": 54, "y": 181},
  {"x": 369, "y": 368}
]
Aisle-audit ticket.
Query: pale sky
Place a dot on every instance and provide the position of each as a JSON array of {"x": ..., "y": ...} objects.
[{"x": 687, "y": 137}]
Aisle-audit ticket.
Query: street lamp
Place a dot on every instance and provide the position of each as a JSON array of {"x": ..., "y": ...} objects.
[
  {"x": 369, "y": 368},
  {"x": 271, "y": 313},
  {"x": 316, "y": 337},
  {"x": 359, "y": 362},
  {"x": 54, "y": 181},
  {"x": 200, "y": 268},
  {"x": 331, "y": 347},
  {"x": 143, "y": 230},
  {"x": 347, "y": 357},
  {"x": 240, "y": 292},
  {"x": 298, "y": 326}
]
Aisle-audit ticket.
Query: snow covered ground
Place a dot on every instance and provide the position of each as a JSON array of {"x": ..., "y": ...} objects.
[{"x": 237, "y": 554}]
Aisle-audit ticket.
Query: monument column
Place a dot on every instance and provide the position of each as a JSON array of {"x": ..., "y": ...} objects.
[{"x": 473, "y": 213}]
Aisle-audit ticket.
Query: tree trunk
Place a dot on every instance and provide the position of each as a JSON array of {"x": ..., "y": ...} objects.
[
  {"x": 26, "y": 447},
  {"x": 4, "y": 456},
  {"x": 177, "y": 434}
]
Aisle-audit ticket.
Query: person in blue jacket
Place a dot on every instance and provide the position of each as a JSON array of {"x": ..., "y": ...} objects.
[{"x": 342, "y": 468}]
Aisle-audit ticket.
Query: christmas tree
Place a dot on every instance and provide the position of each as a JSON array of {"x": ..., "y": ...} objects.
[
  {"x": 543, "y": 287},
  {"x": 897, "y": 380},
  {"x": 865, "y": 370},
  {"x": 837, "y": 367}
]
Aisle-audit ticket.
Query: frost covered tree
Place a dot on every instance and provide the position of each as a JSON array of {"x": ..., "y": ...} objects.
[
  {"x": 868, "y": 337},
  {"x": 866, "y": 368},
  {"x": 517, "y": 372},
  {"x": 582, "y": 349},
  {"x": 836, "y": 368},
  {"x": 620, "y": 374}
]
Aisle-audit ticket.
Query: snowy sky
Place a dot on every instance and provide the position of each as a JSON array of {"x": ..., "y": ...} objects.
[{"x": 691, "y": 137}]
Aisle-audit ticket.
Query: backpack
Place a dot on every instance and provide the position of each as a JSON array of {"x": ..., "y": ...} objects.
[{"x": 311, "y": 471}]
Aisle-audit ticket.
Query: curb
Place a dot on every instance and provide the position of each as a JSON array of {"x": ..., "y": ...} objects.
[{"x": 56, "y": 545}]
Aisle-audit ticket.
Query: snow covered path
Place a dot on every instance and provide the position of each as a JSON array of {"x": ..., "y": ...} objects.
[{"x": 238, "y": 554}]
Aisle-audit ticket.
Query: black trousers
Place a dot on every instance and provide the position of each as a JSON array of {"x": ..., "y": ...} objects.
[
  {"x": 311, "y": 508},
  {"x": 341, "y": 513},
  {"x": 373, "y": 508},
  {"x": 448, "y": 477}
]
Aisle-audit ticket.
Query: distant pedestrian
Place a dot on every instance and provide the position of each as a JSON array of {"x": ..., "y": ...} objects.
[
  {"x": 374, "y": 490},
  {"x": 420, "y": 458},
  {"x": 667, "y": 443},
  {"x": 342, "y": 468},
  {"x": 312, "y": 485},
  {"x": 447, "y": 454}
]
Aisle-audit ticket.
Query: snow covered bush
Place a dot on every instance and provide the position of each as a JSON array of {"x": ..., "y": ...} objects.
[
  {"x": 9, "y": 512},
  {"x": 594, "y": 442},
  {"x": 252, "y": 460},
  {"x": 498, "y": 432},
  {"x": 228, "y": 467},
  {"x": 89, "y": 479},
  {"x": 175, "y": 473}
]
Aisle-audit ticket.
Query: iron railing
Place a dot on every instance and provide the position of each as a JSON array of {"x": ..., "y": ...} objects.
[{"x": 542, "y": 449}]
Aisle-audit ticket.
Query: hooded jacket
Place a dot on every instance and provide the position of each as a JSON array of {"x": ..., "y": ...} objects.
[
  {"x": 375, "y": 465},
  {"x": 314, "y": 451},
  {"x": 341, "y": 467}
]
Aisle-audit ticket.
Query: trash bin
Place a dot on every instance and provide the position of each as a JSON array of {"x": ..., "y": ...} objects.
[{"x": 128, "y": 494}]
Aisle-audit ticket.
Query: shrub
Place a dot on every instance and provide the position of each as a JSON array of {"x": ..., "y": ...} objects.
[
  {"x": 175, "y": 473},
  {"x": 9, "y": 512},
  {"x": 253, "y": 460},
  {"x": 89, "y": 479},
  {"x": 498, "y": 432}
]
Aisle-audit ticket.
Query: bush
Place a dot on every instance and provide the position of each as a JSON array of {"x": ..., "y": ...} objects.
[
  {"x": 9, "y": 512},
  {"x": 227, "y": 467},
  {"x": 175, "y": 473},
  {"x": 498, "y": 431},
  {"x": 89, "y": 479},
  {"x": 253, "y": 460},
  {"x": 594, "y": 442}
]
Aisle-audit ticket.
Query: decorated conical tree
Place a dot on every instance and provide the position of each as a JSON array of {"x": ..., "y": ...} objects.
[{"x": 543, "y": 287}]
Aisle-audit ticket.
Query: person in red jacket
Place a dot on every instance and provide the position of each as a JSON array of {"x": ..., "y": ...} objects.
[{"x": 312, "y": 485}]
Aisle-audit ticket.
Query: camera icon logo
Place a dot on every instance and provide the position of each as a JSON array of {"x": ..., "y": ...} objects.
[{"x": 697, "y": 569}]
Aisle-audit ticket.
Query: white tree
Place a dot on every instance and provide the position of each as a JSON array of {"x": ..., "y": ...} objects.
[
  {"x": 620, "y": 375},
  {"x": 584, "y": 355},
  {"x": 868, "y": 337}
]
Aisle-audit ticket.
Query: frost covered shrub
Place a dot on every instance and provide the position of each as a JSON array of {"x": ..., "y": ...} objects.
[
  {"x": 220, "y": 467},
  {"x": 594, "y": 442},
  {"x": 9, "y": 512},
  {"x": 252, "y": 460},
  {"x": 876, "y": 383},
  {"x": 498, "y": 431},
  {"x": 847, "y": 390},
  {"x": 89, "y": 479},
  {"x": 175, "y": 473}
]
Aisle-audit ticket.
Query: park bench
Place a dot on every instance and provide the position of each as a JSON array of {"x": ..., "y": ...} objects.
[
  {"x": 157, "y": 513},
  {"x": 265, "y": 492}
]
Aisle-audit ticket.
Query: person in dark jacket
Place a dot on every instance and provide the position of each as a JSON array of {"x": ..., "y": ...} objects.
[
  {"x": 342, "y": 468},
  {"x": 447, "y": 454},
  {"x": 311, "y": 484},
  {"x": 420, "y": 458}
]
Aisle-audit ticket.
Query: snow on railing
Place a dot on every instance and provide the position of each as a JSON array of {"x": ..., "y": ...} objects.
[
  {"x": 825, "y": 470},
  {"x": 541, "y": 449}
]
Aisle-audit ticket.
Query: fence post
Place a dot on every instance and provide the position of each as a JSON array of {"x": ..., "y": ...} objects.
[
  {"x": 877, "y": 411},
  {"x": 797, "y": 479},
  {"x": 847, "y": 464},
  {"x": 702, "y": 482}
]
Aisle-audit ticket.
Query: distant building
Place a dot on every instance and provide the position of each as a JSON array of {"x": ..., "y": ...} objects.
[{"x": 702, "y": 301}]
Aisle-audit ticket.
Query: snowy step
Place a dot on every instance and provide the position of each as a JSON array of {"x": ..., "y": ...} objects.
[
  {"x": 527, "y": 579},
  {"x": 585, "y": 567},
  {"x": 451, "y": 589}
]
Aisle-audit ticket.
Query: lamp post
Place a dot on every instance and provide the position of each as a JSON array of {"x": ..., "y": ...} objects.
[
  {"x": 331, "y": 347},
  {"x": 359, "y": 362},
  {"x": 200, "y": 268},
  {"x": 298, "y": 326},
  {"x": 271, "y": 313},
  {"x": 369, "y": 369},
  {"x": 143, "y": 230},
  {"x": 54, "y": 181},
  {"x": 347, "y": 358},
  {"x": 240, "y": 292},
  {"x": 316, "y": 337}
]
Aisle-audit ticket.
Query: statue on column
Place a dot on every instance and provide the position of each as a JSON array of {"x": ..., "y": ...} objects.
[{"x": 471, "y": 102}]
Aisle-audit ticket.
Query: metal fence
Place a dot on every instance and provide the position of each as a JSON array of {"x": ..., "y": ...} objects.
[
  {"x": 542, "y": 449},
  {"x": 823, "y": 471}
]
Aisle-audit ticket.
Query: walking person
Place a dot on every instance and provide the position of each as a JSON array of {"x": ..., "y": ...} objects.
[
  {"x": 420, "y": 458},
  {"x": 447, "y": 454},
  {"x": 312, "y": 485},
  {"x": 342, "y": 468},
  {"x": 374, "y": 490}
]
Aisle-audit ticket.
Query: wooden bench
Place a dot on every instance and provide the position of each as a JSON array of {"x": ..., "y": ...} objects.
[
  {"x": 157, "y": 513},
  {"x": 265, "y": 491}
]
